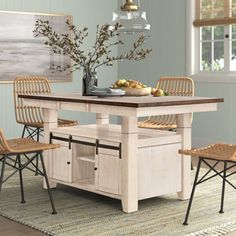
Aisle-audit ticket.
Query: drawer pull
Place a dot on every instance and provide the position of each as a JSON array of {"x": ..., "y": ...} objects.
[
  {"x": 68, "y": 163},
  {"x": 95, "y": 168}
]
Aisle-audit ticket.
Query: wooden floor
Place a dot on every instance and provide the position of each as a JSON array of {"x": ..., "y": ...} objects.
[{"x": 11, "y": 228}]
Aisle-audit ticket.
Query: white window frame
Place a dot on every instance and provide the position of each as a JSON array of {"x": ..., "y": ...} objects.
[{"x": 192, "y": 53}]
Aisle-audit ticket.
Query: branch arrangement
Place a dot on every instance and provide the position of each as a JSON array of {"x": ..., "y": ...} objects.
[{"x": 71, "y": 44}]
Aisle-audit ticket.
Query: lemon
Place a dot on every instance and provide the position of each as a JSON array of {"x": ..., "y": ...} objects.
[
  {"x": 153, "y": 91},
  {"x": 159, "y": 93}
]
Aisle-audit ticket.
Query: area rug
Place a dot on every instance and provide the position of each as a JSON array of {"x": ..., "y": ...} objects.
[{"x": 86, "y": 214}]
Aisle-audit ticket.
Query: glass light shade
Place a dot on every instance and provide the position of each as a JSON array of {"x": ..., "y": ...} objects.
[{"x": 131, "y": 21}]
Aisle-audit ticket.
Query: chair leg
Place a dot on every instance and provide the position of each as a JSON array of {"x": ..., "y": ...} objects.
[
  {"x": 192, "y": 193},
  {"x": 23, "y": 133},
  {"x": 37, "y": 158},
  {"x": 37, "y": 165},
  {"x": 47, "y": 183},
  {"x": 192, "y": 165},
  {"x": 2, "y": 171},
  {"x": 223, "y": 189},
  {"x": 21, "y": 179},
  {"x": 22, "y": 136}
]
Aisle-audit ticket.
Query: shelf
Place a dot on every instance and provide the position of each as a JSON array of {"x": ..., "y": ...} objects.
[
  {"x": 112, "y": 133},
  {"x": 87, "y": 185},
  {"x": 86, "y": 158},
  {"x": 86, "y": 182}
]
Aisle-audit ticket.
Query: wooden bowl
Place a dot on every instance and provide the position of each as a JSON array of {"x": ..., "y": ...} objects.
[{"x": 137, "y": 91}]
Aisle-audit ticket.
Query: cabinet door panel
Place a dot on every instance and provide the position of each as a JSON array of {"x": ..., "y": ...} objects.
[
  {"x": 109, "y": 174},
  {"x": 159, "y": 170},
  {"x": 62, "y": 163}
]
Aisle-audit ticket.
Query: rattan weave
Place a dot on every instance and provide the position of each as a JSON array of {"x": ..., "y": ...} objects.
[
  {"x": 224, "y": 152},
  {"x": 175, "y": 86},
  {"x": 29, "y": 115},
  {"x": 22, "y": 145}
]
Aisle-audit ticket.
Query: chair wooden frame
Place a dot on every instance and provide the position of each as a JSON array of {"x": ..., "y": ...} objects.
[
  {"x": 18, "y": 148},
  {"x": 174, "y": 86},
  {"x": 32, "y": 117},
  {"x": 29, "y": 115}
]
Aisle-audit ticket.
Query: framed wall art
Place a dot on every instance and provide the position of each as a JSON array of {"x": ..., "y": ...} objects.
[{"x": 24, "y": 54}]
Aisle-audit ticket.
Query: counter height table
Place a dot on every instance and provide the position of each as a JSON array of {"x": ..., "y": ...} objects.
[{"x": 130, "y": 163}]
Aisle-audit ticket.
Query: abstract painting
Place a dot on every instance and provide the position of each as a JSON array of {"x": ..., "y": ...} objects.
[{"x": 24, "y": 54}]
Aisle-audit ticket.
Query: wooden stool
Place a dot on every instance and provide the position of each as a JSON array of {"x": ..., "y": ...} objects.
[
  {"x": 17, "y": 148},
  {"x": 219, "y": 153}
]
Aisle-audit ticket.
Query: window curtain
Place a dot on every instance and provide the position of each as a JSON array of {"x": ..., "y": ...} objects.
[{"x": 215, "y": 12}]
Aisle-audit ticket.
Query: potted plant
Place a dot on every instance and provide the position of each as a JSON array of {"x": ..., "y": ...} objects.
[{"x": 107, "y": 37}]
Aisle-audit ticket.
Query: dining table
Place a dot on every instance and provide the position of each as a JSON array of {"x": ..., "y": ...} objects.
[{"x": 130, "y": 109}]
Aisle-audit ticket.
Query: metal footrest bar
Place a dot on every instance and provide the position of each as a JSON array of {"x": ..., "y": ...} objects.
[
  {"x": 218, "y": 174},
  {"x": 231, "y": 174},
  {"x": 28, "y": 168},
  {"x": 18, "y": 168},
  {"x": 37, "y": 170},
  {"x": 32, "y": 132},
  {"x": 207, "y": 173}
]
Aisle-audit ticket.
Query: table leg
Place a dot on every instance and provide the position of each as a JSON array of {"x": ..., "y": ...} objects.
[
  {"x": 129, "y": 166},
  {"x": 184, "y": 128},
  {"x": 102, "y": 119},
  {"x": 50, "y": 121}
]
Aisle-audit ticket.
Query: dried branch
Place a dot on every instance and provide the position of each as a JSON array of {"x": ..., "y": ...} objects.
[{"x": 70, "y": 44}]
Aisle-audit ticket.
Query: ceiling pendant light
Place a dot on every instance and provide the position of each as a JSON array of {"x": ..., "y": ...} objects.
[{"x": 131, "y": 18}]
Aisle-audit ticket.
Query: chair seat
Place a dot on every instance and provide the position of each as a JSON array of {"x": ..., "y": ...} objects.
[
  {"x": 155, "y": 125},
  {"x": 61, "y": 123},
  {"x": 27, "y": 145},
  {"x": 222, "y": 152},
  {"x": 67, "y": 123}
]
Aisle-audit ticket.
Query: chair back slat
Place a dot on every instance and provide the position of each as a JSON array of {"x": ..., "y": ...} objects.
[
  {"x": 4, "y": 148},
  {"x": 29, "y": 85},
  {"x": 175, "y": 86}
]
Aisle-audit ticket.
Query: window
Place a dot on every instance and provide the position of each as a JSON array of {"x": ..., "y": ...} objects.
[
  {"x": 212, "y": 27},
  {"x": 212, "y": 56}
]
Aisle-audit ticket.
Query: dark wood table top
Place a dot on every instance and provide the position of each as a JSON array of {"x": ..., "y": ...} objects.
[{"x": 126, "y": 101}]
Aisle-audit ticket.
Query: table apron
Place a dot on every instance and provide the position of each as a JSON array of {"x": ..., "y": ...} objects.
[{"x": 122, "y": 111}]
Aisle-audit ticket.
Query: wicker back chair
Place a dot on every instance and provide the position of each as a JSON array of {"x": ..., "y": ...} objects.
[
  {"x": 12, "y": 151},
  {"x": 175, "y": 86},
  {"x": 32, "y": 117},
  {"x": 26, "y": 115}
]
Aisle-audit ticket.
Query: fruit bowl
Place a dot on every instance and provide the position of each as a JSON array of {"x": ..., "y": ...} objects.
[
  {"x": 132, "y": 87},
  {"x": 137, "y": 91}
]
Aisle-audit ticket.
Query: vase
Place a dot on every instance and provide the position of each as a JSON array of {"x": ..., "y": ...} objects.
[{"x": 89, "y": 82}]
